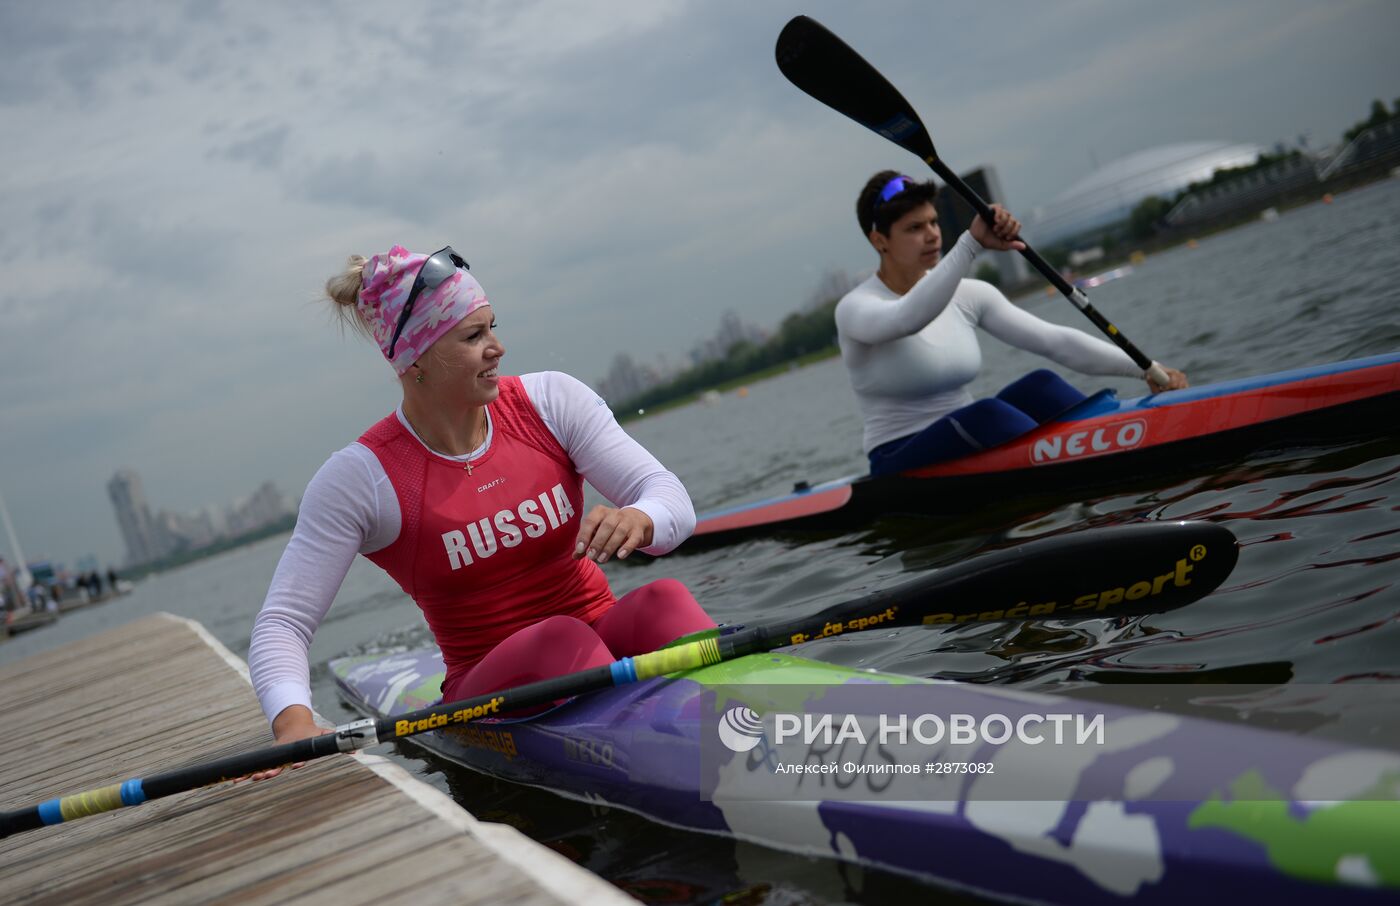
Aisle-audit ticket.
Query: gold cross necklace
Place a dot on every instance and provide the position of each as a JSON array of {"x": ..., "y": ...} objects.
[{"x": 470, "y": 440}]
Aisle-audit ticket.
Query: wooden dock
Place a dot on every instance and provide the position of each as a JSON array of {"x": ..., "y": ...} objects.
[
  {"x": 17, "y": 621},
  {"x": 161, "y": 692}
]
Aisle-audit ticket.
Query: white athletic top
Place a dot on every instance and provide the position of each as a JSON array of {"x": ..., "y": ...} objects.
[
  {"x": 350, "y": 508},
  {"x": 911, "y": 357}
]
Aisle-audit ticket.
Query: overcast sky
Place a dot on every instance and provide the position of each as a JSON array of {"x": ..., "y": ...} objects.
[{"x": 177, "y": 181}]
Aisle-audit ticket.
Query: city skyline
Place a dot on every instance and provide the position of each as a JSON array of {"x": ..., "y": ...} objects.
[{"x": 151, "y": 536}]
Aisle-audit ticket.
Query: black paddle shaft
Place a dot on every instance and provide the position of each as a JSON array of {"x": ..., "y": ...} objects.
[
  {"x": 1112, "y": 571},
  {"x": 829, "y": 70}
]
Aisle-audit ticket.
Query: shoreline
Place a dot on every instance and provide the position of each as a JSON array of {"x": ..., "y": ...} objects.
[{"x": 1036, "y": 287}]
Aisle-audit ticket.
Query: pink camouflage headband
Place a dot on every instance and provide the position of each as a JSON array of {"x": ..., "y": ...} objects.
[{"x": 385, "y": 285}]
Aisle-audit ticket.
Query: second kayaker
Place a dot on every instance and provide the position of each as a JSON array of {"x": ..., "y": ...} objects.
[{"x": 909, "y": 342}]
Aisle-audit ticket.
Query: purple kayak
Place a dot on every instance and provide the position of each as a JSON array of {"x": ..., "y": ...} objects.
[{"x": 1162, "y": 809}]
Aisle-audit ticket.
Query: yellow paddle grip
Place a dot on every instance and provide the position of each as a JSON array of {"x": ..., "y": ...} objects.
[
  {"x": 673, "y": 660},
  {"x": 93, "y": 802}
]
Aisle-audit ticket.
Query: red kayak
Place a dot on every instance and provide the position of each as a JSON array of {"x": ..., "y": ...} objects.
[{"x": 1105, "y": 440}]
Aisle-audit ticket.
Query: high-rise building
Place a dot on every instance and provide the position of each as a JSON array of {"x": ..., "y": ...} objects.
[
  {"x": 133, "y": 516},
  {"x": 955, "y": 216},
  {"x": 265, "y": 506},
  {"x": 150, "y": 536}
]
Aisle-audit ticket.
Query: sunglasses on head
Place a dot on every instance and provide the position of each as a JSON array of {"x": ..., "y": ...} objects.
[
  {"x": 894, "y": 188},
  {"x": 439, "y": 267}
]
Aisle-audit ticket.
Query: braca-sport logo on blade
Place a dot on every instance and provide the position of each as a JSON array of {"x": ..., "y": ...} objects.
[{"x": 740, "y": 729}]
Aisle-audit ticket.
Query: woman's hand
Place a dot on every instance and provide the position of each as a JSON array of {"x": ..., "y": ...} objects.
[
  {"x": 1002, "y": 234},
  {"x": 607, "y": 531},
  {"x": 1176, "y": 380},
  {"x": 294, "y": 723}
]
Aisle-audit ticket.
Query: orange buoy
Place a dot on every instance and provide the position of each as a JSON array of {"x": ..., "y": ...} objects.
[
  {"x": 1327, "y": 198},
  {"x": 1191, "y": 243},
  {"x": 742, "y": 392}
]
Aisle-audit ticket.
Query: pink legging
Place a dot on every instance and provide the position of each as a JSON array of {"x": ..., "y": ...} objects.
[{"x": 642, "y": 620}]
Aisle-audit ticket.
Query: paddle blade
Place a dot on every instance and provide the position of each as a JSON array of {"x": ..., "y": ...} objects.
[
  {"x": 825, "y": 67},
  {"x": 1115, "y": 571}
]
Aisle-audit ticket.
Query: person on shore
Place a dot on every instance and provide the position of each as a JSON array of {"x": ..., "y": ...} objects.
[
  {"x": 470, "y": 496},
  {"x": 908, "y": 340}
]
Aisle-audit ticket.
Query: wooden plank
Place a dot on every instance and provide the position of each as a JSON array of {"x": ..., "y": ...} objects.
[{"x": 158, "y": 693}]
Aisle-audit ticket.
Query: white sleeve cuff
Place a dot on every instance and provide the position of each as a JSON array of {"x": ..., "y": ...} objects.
[
  {"x": 668, "y": 529},
  {"x": 281, "y": 696}
]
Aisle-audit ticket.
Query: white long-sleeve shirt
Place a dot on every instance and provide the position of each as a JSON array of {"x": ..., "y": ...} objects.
[
  {"x": 350, "y": 508},
  {"x": 911, "y": 357}
]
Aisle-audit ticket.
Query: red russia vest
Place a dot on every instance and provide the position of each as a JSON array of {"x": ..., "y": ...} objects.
[{"x": 486, "y": 552}]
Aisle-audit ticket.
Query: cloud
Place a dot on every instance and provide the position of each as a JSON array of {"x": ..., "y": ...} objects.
[{"x": 262, "y": 145}]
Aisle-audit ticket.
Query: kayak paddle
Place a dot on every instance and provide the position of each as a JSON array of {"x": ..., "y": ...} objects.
[
  {"x": 825, "y": 67},
  {"x": 1104, "y": 572}
]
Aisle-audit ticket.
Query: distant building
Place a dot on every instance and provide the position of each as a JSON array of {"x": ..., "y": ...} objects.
[
  {"x": 1107, "y": 196},
  {"x": 264, "y": 507},
  {"x": 1378, "y": 144},
  {"x": 169, "y": 535},
  {"x": 1253, "y": 191},
  {"x": 150, "y": 536},
  {"x": 955, "y": 217},
  {"x": 134, "y": 517}
]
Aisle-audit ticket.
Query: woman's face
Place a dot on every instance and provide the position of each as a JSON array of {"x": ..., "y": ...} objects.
[
  {"x": 914, "y": 239},
  {"x": 462, "y": 363}
]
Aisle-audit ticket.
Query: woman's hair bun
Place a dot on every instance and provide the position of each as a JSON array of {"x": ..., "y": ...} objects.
[{"x": 344, "y": 287}]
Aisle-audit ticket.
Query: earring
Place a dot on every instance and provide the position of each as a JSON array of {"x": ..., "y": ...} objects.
[{"x": 419, "y": 379}]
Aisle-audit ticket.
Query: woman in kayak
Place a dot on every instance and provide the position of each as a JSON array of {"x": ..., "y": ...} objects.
[
  {"x": 470, "y": 496},
  {"x": 908, "y": 340}
]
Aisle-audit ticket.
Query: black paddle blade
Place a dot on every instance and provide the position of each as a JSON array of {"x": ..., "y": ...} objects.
[
  {"x": 825, "y": 67},
  {"x": 1115, "y": 571}
]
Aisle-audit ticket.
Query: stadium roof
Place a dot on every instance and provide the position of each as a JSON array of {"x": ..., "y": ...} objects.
[{"x": 1109, "y": 194}]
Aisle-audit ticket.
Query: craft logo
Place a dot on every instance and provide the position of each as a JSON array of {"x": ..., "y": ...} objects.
[
  {"x": 740, "y": 729},
  {"x": 1079, "y": 444}
]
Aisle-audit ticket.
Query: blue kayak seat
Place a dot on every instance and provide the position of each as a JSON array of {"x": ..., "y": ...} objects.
[
  {"x": 1019, "y": 408},
  {"x": 1042, "y": 395}
]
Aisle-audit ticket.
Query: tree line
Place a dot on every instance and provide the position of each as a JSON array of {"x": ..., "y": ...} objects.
[
  {"x": 800, "y": 333},
  {"x": 1379, "y": 114}
]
